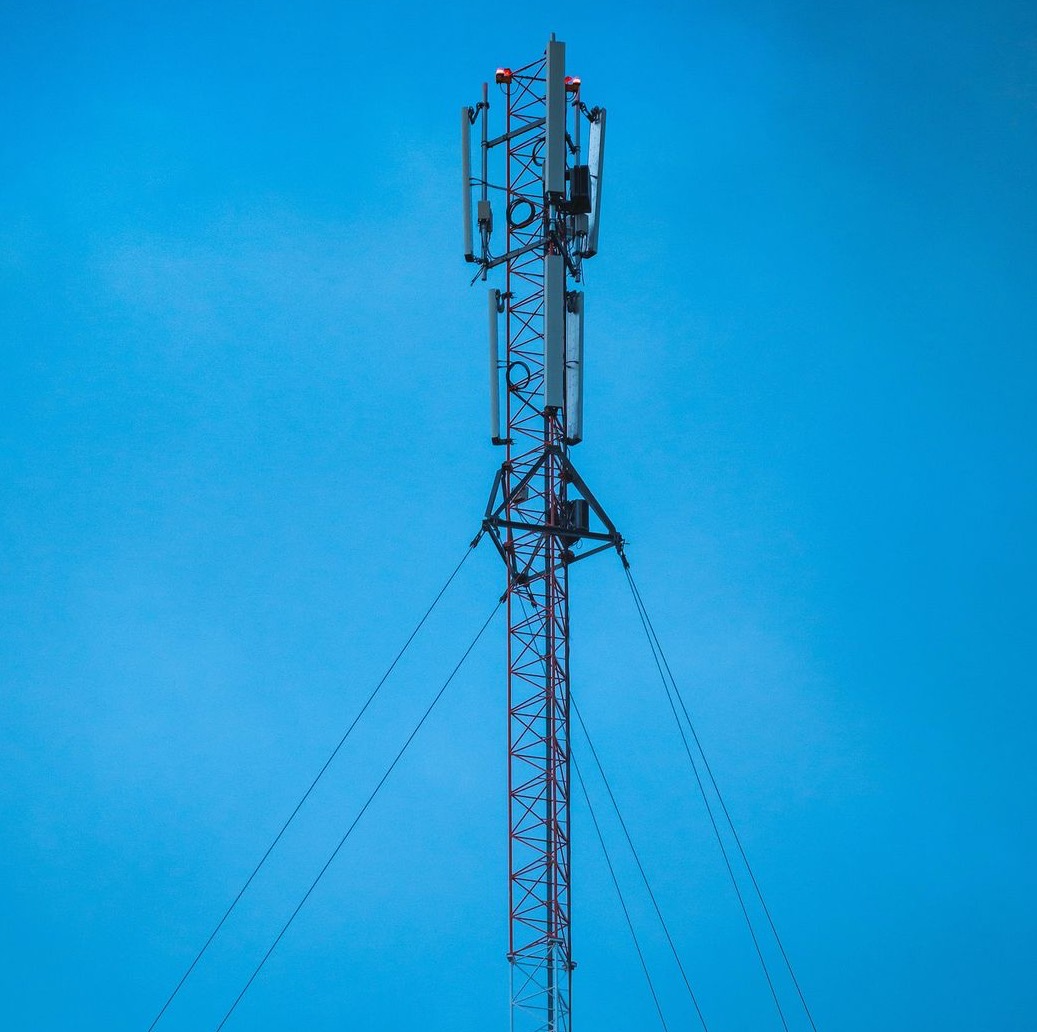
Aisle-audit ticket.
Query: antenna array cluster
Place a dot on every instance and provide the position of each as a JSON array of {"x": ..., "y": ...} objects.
[{"x": 555, "y": 214}]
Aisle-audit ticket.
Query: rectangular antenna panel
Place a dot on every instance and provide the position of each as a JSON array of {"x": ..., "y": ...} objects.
[
  {"x": 596, "y": 161},
  {"x": 554, "y": 331},
  {"x": 574, "y": 368},
  {"x": 495, "y": 434},
  {"x": 466, "y": 183},
  {"x": 554, "y": 150}
]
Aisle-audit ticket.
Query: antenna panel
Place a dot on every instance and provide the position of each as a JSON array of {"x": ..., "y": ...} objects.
[
  {"x": 596, "y": 161},
  {"x": 554, "y": 331},
  {"x": 574, "y": 368},
  {"x": 466, "y": 182},
  {"x": 554, "y": 156},
  {"x": 495, "y": 434}
]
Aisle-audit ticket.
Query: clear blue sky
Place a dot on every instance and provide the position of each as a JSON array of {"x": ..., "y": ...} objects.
[{"x": 242, "y": 441}]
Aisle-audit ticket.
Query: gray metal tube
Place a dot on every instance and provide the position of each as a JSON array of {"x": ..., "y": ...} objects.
[
  {"x": 485, "y": 220},
  {"x": 485, "y": 148}
]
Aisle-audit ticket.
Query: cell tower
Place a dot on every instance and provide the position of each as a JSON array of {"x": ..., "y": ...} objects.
[{"x": 541, "y": 515}]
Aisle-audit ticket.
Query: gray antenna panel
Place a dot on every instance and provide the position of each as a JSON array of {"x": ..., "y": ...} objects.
[
  {"x": 596, "y": 161},
  {"x": 554, "y": 157},
  {"x": 495, "y": 434},
  {"x": 466, "y": 182},
  {"x": 554, "y": 331},
  {"x": 554, "y": 263},
  {"x": 574, "y": 368}
]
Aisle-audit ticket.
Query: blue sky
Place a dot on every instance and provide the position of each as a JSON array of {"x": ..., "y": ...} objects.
[{"x": 242, "y": 408}]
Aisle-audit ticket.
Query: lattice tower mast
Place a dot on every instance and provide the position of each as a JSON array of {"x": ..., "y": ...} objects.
[{"x": 540, "y": 511}]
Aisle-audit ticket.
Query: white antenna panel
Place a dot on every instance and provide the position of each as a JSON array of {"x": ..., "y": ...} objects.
[
  {"x": 554, "y": 331},
  {"x": 574, "y": 368},
  {"x": 495, "y": 434},
  {"x": 596, "y": 161},
  {"x": 466, "y": 182},
  {"x": 554, "y": 156}
]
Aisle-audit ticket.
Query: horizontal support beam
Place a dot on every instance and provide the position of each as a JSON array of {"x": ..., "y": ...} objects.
[
  {"x": 532, "y": 245},
  {"x": 543, "y": 528},
  {"x": 536, "y": 124}
]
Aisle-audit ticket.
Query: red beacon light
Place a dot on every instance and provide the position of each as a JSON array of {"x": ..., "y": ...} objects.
[
  {"x": 572, "y": 84},
  {"x": 504, "y": 75}
]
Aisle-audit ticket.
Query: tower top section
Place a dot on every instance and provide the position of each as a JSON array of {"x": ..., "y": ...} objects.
[
  {"x": 532, "y": 204},
  {"x": 564, "y": 141}
]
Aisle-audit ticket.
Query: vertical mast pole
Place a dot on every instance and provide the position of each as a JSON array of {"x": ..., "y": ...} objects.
[
  {"x": 550, "y": 220},
  {"x": 538, "y": 732}
]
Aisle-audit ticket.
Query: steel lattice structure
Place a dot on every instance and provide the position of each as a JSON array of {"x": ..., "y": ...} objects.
[{"x": 539, "y": 510}]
